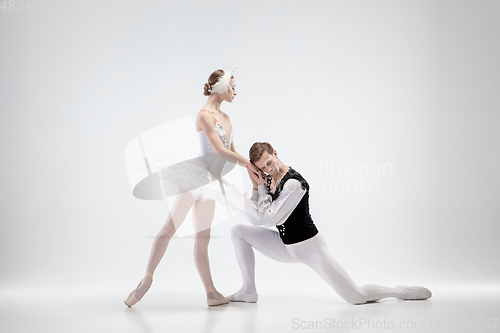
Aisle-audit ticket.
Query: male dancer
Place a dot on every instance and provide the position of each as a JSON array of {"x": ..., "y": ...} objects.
[{"x": 284, "y": 203}]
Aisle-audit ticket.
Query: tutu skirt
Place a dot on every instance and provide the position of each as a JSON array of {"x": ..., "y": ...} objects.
[
  {"x": 219, "y": 181},
  {"x": 170, "y": 159}
]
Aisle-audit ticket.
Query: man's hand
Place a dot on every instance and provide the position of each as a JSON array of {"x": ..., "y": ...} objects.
[{"x": 274, "y": 184}]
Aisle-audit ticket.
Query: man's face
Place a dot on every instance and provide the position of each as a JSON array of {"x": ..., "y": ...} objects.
[{"x": 267, "y": 163}]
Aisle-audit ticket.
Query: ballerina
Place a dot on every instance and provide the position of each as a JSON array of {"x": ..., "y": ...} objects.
[
  {"x": 198, "y": 184},
  {"x": 284, "y": 202}
]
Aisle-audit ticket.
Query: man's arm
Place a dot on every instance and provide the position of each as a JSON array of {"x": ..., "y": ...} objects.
[
  {"x": 251, "y": 211},
  {"x": 270, "y": 212},
  {"x": 255, "y": 196},
  {"x": 251, "y": 205}
]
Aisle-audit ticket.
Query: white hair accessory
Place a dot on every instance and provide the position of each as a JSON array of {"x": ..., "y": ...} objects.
[{"x": 222, "y": 85}]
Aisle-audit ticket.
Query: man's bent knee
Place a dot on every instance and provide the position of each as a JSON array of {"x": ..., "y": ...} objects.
[{"x": 238, "y": 231}]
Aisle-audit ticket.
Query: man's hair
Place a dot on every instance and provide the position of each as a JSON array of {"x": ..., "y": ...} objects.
[{"x": 257, "y": 149}]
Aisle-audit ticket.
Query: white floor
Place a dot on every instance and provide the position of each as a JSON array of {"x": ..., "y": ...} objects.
[{"x": 451, "y": 309}]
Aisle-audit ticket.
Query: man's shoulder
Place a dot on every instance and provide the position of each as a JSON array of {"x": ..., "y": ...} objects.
[
  {"x": 296, "y": 178},
  {"x": 293, "y": 184}
]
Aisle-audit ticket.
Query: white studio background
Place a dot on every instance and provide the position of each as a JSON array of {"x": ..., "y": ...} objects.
[{"x": 390, "y": 109}]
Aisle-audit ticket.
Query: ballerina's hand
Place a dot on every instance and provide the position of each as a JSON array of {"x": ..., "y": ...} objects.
[
  {"x": 253, "y": 168},
  {"x": 254, "y": 184},
  {"x": 256, "y": 179}
]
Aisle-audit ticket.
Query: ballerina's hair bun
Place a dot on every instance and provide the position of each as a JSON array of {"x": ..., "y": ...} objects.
[
  {"x": 218, "y": 82},
  {"x": 207, "y": 89}
]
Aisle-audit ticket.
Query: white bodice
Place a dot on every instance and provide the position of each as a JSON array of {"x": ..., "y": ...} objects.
[
  {"x": 214, "y": 162},
  {"x": 222, "y": 135}
]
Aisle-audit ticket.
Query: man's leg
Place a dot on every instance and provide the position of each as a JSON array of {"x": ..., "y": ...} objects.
[
  {"x": 315, "y": 254},
  {"x": 264, "y": 240}
]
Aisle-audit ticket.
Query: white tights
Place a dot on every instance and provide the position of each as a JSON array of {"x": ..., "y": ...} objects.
[{"x": 313, "y": 252}]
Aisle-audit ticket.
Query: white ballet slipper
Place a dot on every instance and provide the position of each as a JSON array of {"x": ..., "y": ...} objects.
[
  {"x": 243, "y": 296},
  {"x": 415, "y": 292}
]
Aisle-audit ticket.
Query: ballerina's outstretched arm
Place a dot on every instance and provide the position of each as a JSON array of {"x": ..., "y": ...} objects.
[{"x": 205, "y": 122}]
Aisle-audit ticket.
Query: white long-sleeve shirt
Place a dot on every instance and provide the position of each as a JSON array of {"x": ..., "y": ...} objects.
[{"x": 264, "y": 211}]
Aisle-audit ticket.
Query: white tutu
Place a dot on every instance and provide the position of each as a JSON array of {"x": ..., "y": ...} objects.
[
  {"x": 171, "y": 167},
  {"x": 208, "y": 177}
]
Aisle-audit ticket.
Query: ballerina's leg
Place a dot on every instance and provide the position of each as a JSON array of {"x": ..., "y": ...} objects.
[
  {"x": 182, "y": 204},
  {"x": 178, "y": 212},
  {"x": 203, "y": 214}
]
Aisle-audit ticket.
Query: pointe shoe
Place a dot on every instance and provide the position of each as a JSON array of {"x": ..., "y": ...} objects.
[
  {"x": 215, "y": 302},
  {"x": 415, "y": 292},
  {"x": 132, "y": 299}
]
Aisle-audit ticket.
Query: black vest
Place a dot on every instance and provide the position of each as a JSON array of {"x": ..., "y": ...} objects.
[{"x": 299, "y": 225}]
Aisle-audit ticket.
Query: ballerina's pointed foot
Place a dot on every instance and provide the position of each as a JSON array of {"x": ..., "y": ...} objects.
[
  {"x": 137, "y": 294},
  {"x": 244, "y": 296},
  {"x": 217, "y": 301},
  {"x": 214, "y": 297},
  {"x": 415, "y": 292}
]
